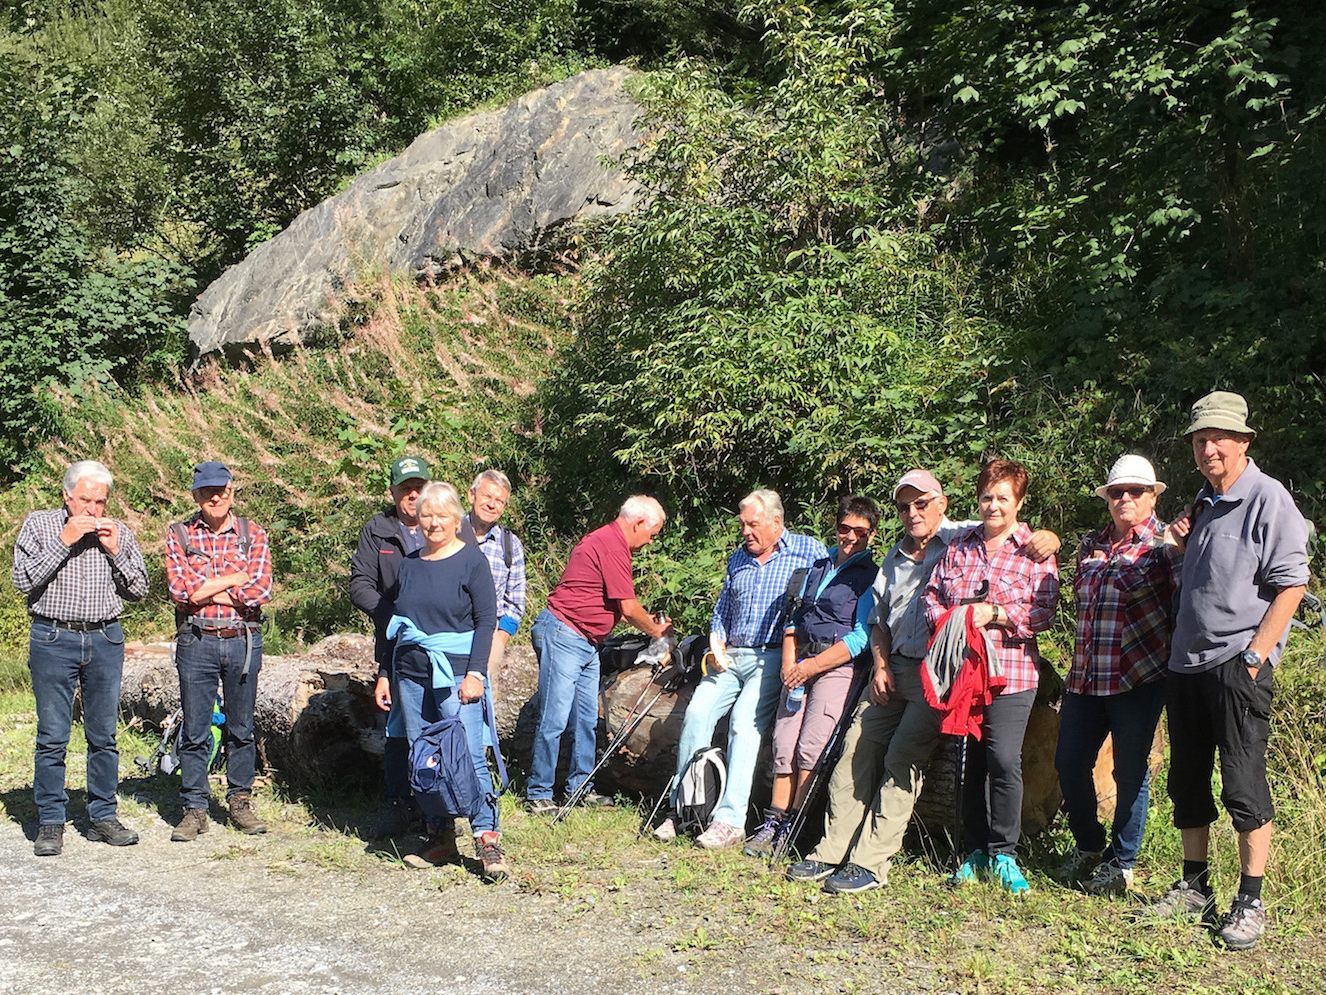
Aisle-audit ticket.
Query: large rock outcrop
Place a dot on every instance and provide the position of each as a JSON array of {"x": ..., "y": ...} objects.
[{"x": 492, "y": 184}]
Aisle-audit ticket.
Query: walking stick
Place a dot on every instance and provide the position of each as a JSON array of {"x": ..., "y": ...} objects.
[{"x": 960, "y": 761}]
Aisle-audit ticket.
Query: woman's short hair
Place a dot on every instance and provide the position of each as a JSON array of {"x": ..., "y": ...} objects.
[
  {"x": 642, "y": 506},
  {"x": 87, "y": 469},
  {"x": 769, "y": 503},
  {"x": 859, "y": 506},
  {"x": 440, "y": 495},
  {"x": 996, "y": 470}
]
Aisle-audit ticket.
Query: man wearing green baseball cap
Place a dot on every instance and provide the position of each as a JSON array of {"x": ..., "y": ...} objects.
[
  {"x": 385, "y": 540},
  {"x": 1244, "y": 572}
]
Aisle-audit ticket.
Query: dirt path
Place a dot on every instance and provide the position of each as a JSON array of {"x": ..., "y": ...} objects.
[{"x": 230, "y": 914}]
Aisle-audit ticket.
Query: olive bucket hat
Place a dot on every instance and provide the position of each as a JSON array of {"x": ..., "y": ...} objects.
[{"x": 1221, "y": 409}]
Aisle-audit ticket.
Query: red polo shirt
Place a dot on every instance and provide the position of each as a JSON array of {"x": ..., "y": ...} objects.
[{"x": 596, "y": 580}]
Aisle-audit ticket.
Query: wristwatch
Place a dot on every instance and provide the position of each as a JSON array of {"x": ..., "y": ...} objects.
[{"x": 1251, "y": 659}]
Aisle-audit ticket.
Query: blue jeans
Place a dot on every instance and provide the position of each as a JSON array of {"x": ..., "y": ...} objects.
[
  {"x": 420, "y": 705},
  {"x": 750, "y": 689},
  {"x": 568, "y": 694},
  {"x": 1130, "y": 719},
  {"x": 59, "y": 660},
  {"x": 203, "y": 662}
]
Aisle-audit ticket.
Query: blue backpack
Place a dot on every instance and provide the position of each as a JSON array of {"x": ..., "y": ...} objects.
[{"x": 442, "y": 773}]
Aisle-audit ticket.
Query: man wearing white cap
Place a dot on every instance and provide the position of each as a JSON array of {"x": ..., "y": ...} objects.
[
  {"x": 1125, "y": 582},
  {"x": 1244, "y": 572},
  {"x": 876, "y": 783}
]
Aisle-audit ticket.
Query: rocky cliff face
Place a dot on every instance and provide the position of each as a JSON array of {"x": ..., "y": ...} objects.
[{"x": 489, "y": 185}]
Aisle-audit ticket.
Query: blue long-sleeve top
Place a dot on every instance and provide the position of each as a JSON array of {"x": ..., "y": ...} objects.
[{"x": 452, "y": 594}]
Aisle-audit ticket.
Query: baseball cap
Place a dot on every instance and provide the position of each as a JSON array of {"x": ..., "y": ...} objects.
[
  {"x": 923, "y": 480},
  {"x": 211, "y": 474},
  {"x": 409, "y": 468}
]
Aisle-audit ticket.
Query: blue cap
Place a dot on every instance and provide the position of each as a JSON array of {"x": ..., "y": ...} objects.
[{"x": 211, "y": 474}]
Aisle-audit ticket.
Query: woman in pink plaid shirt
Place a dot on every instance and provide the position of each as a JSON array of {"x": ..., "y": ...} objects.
[{"x": 1019, "y": 598}]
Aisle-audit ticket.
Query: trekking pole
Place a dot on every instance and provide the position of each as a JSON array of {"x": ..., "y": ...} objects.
[
  {"x": 828, "y": 759},
  {"x": 649, "y": 820},
  {"x": 960, "y": 760}
]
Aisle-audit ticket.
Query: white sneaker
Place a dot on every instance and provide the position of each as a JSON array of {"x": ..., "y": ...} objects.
[
  {"x": 666, "y": 830},
  {"x": 720, "y": 835}
]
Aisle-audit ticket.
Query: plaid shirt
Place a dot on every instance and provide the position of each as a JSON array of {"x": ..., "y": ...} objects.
[
  {"x": 215, "y": 554},
  {"x": 749, "y": 611},
  {"x": 1027, "y": 591},
  {"x": 78, "y": 583},
  {"x": 510, "y": 584},
  {"x": 1125, "y": 611}
]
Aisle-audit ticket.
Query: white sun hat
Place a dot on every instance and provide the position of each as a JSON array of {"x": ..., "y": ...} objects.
[{"x": 1131, "y": 469}]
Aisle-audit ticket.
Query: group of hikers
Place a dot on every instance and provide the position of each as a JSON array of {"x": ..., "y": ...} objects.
[{"x": 1190, "y": 616}]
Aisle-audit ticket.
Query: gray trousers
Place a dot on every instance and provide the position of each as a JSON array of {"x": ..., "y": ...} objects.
[{"x": 875, "y": 785}]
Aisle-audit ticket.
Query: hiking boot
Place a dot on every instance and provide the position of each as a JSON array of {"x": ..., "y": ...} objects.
[
  {"x": 49, "y": 841},
  {"x": 397, "y": 819},
  {"x": 1244, "y": 925},
  {"x": 441, "y": 849},
  {"x": 972, "y": 869},
  {"x": 1184, "y": 901},
  {"x": 1079, "y": 864},
  {"x": 666, "y": 831},
  {"x": 810, "y": 870},
  {"x": 242, "y": 816},
  {"x": 850, "y": 879},
  {"x": 540, "y": 806},
  {"x": 1109, "y": 879},
  {"x": 193, "y": 825},
  {"x": 111, "y": 831},
  {"x": 1009, "y": 874},
  {"x": 719, "y": 836},
  {"x": 762, "y": 842},
  {"x": 487, "y": 847},
  {"x": 593, "y": 799}
]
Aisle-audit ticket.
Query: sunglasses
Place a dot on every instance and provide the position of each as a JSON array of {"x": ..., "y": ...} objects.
[
  {"x": 1134, "y": 492},
  {"x": 920, "y": 504},
  {"x": 855, "y": 531}
]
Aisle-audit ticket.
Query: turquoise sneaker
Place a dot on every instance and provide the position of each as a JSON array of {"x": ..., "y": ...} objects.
[
  {"x": 1010, "y": 875},
  {"x": 974, "y": 867}
]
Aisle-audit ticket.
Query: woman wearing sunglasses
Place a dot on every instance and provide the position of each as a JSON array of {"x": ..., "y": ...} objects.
[
  {"x": 1125, "y": 586},
  {"x": 828, "y": 631}
]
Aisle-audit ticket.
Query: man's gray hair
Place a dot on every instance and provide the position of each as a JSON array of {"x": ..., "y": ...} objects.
[
  {"x": 442, "y": 496},
  {"x": 644, "y": 507},
  {"x": 496, "y": 476},
  {"x": 87, "y": 469},
  {"x": 769, "y": 503}
]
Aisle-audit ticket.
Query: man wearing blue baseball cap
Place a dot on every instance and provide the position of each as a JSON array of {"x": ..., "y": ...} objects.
[{"x": 219, "y": 574}]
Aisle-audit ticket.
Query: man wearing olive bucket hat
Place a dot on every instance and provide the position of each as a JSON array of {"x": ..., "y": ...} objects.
[{"x": 1244, "y": 572}]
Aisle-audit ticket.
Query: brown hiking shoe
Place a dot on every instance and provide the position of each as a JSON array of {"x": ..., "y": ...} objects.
[
  {"x": 242, "y": 816},
  {"x": 441, "y": 849},
  {"x": 193, "y": 825},
  {"x": 488, "y": 848}
]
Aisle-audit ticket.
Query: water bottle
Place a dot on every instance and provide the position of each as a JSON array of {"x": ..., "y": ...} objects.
[{"x": 795, "y": 697}]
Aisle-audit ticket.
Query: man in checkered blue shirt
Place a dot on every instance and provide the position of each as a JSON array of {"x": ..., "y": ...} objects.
[{"x": 77, "y": 568}]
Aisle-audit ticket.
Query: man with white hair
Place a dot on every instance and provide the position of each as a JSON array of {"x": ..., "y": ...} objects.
[
  {"x": 77, "y": 568},
  {"x": 745, "y": 639},
  {"x": 504, "y": 551},
  {"x": 596, "y": 591}
]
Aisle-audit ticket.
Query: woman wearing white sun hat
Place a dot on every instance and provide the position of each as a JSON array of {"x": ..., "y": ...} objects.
[{"x": 1124, "y": 585}]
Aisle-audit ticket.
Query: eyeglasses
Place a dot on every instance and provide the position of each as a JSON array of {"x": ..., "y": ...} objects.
[
  {"x": 920, "y": 504},
  {"x": 855, "y": 531},
  {"x": 1134, "y": 492}
]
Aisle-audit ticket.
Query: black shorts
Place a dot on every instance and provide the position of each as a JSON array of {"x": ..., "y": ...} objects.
[{"x": 1220, "y": 709}]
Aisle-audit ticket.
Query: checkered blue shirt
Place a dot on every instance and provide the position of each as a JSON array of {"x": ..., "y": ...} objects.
[
  {"x": 509, "y": 584},
  {"x": 750, "y": 606}
]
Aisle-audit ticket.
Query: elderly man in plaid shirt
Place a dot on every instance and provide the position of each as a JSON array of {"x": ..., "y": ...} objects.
[
  {"x": 219, "y": 573},
  {"x": 77, "y": 568},
  {"x": 504, "y": 551},
  {"x": 745, "y": 639}
]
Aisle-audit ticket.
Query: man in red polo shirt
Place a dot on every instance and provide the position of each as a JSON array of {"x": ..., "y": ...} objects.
[{"x": 596, "y": 592}]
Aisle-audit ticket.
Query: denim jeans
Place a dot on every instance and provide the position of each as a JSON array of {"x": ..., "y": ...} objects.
[
  {"x": 203, "y": 662},
  {"x": 750, "y": 689},
  {"x": 568, "y": 694},
  {"x": 59, "y": 660},
  {"x": 1130, "y": 719},
  {"x": 420, "y": 705}
]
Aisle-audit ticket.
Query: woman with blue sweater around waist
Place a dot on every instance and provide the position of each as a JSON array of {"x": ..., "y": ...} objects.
[
  {"x": 442, "y": 623},
  {"x": 829, "y": 629}
]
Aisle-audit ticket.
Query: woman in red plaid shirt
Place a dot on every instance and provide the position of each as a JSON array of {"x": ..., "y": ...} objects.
[
  {"x": 1125, "y": 582},
  {"x": 1020, "y": 596}
]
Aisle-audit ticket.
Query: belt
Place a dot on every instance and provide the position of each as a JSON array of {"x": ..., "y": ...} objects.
[
  {"x": 75, "y": 626},
  {"x": 811, "y": 648},
  {"x": 226, "y": 633}
]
